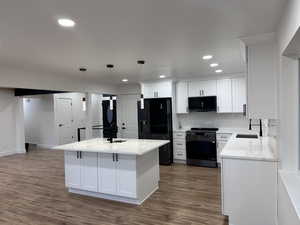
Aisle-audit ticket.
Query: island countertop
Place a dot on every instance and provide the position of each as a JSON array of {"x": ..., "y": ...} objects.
[{"x": 129, "y": 147}]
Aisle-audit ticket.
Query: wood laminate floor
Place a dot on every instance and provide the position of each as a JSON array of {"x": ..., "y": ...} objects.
[{"x": 32, "y": 192}]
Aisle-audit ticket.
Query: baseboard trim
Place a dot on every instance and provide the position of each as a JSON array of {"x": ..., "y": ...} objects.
[
  {"x": 134, "y": 201},
  {"x": 180, "y": 161},
  {"x": 42, "y": 146},
  {"x": 8, "y": 153}
]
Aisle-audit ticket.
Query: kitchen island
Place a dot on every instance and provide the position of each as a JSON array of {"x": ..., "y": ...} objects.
[{"x": 126, "y": 171}]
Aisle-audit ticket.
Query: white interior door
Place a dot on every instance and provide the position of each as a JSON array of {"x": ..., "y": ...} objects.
[
  {"x": 127, "y": 116},
  {"x": 64, "y": 120}
]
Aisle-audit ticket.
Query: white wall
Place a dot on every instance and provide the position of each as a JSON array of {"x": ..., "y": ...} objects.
[
  {"x": 289, "y": 24},
  {"x": 289, "y": 114},
  {"x": 96, "y": 114},
  {"x": 286, "y": 211},
  {"x": 24, "y": 78},
  {"x": 126, "y": 89},
  {"x": 40, "y": 114},
  {"x": 11, "y": 118},
  {"x": 39, "y": 120}
]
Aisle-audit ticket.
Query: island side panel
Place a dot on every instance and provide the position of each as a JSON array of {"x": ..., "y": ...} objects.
[{"x": 147, "y": 174}]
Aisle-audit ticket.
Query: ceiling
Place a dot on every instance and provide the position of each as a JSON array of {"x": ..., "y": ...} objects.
[{"x": 171, "y": 35}]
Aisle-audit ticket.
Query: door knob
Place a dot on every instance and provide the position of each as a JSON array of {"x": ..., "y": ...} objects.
[{"x": 60, "y": 125}]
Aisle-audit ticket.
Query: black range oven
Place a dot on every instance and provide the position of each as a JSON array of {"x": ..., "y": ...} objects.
[{"x": 201, "y": 147}]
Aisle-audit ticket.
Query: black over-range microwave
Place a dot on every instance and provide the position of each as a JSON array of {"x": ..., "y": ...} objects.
[{"x": 203, "y": 104}]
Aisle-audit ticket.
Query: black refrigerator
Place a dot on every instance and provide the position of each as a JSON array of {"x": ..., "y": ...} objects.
[{"x": 155, "y": 122}]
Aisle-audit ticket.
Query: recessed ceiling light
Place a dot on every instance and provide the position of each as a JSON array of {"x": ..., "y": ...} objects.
[
  {"x": 110, "y": 66},
  {"x": 214, "y": 65},
  {"x": 162, "y": 76},
  {"x": 207, "y": 57},
  {"x": 82, "y": 69},
  {"x": 219, "y": 71},
  {"x": 65, "y": 22},
  {"x": 141, "y": 62},
  {"x": 125, "y": 80}
]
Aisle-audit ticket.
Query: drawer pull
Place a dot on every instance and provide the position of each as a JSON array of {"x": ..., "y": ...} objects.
[{"x": 178, "y": 144}]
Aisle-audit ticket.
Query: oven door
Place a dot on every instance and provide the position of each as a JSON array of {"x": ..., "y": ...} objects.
[{"x": 201, "y": 149}]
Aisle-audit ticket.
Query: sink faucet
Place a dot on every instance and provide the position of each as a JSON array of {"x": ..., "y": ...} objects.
[{"x": 260, "y": 126}]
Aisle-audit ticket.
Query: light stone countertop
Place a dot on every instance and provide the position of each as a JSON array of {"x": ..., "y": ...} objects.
[
  {"x": 130, "y": 147},
  {"x": 261, "y": 149}
]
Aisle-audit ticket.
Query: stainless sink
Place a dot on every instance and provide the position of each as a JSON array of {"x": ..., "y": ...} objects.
[
  {"x": 119, "y": 141},
  {"x": 247, "y": 136}
]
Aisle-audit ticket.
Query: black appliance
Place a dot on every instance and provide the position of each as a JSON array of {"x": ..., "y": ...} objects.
[
  {"x": 155, "y": 122},
  {"x": 201, "y": 147},
  {"x": 203, "y": 104},
  {"x": 109, "y": 116}
]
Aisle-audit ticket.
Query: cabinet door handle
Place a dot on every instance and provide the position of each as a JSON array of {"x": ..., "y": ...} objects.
[
  {"x": 80, "y": 154},
  {"x": 113, "y": 155},
  {"x": 117, "y": 157},
  {"x": 77, "y": 155}
]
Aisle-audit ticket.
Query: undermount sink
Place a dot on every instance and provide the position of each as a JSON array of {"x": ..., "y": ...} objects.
[
  {"x": 119, "y": 141},
  {"x": 247, "y": 136}
]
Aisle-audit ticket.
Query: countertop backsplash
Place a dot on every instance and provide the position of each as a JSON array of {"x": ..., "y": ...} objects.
[
  {"x": 223, "y": 120},
  {"x": 210, "y": 119}
]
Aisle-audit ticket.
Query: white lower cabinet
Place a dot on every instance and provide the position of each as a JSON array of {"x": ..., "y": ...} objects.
[
  {"x": 126, "y": 176},
  {"x": 107, "y": 181},
  {"x": 249, "y": 191},
  {"x": 222, "y": 139},
  {"x": 72, "y": 170},
  {"x": 179, "y": 146},
  {"x": 81, "y": 170},
  {"x": 117, "y": 174}
]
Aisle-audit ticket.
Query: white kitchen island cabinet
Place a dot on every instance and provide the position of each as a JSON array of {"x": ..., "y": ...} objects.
[{"x": 126, "y": 172}]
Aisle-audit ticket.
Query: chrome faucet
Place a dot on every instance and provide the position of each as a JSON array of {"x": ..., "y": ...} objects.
[{"x": 260, "y": 126}]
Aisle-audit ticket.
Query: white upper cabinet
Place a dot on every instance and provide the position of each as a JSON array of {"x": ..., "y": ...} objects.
[
  {"x": 202, "y": 88},
  {"x": 231, "y": 94},
  {"x": 262, "y": 75},
  {"x": 239, "y": 97},
  {"x": 182, "y": 97},
  {"x": 224, "y": 96},
  {"x": 161, "y": 89}
]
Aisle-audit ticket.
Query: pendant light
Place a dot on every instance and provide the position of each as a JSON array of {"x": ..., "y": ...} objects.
[
  {"x": 142, "y": 102},
  {"x": 141, "y": 63},
  {"x": 84, "y": 104},
  {"x": 111, "y": 102}
]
